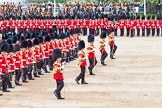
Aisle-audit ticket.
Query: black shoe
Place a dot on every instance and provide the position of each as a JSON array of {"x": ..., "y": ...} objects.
[
  {"x": 103, "y": 64},
  {"x": 112, "y": 58},
  {"x": 36, "y": 76},
  {"x": 61, "y": 98},
  {"x": 31, "y": 79},
  {"x": 77, "y": 81},
  {"x": 6, "y": 90},
  {"x": 92, "y": 73},
  {"x": 40, "y": 74},
  {"x": 56, "y": 94},
  {"x": 11, "y": 87},
  {"x": 84, "y": 83},
  {"x": 1, "y": 94},
  {"x": 47, "y": 72},
  {"x": 18, "y": 84},
  {"x": 24, "y": 81}
]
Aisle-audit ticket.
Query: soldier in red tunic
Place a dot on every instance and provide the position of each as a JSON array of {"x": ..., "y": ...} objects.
[
  {"x": 84, "y": 27},
  {"x": 17, "y": 64},
  {"x": 11, "y": 65},
  {"x": 115, "y": 28},
  {"x": 153, "y": 25},
  {"x": 143, "y": 25},
  {"x": 36, "y": 56},
  {"x": 128, "y": 26},
  {"x": 23, "y": 55},
  {"x": 81, "y": 62},
  {"x": 113, "y": 47},
  {"x": 132, "y": 29},
  {"x": 67, "y": 45},
  {"x": 46, "y": 52},
  {"x": 102, "y": 48},
  {"x": 148, "y": 26},
  {"x": 158, "y": 26},
  {"x": 138, "y": 26},
  {"x": 51, "y": 47},
  {"x": 41, "y": 58},
  {"x": 58, "y": 72},
  {"x": 30, "y": 59},
  {"x": 91, "y": 54},
  {"x": 121, "y": 25},
  {"x": 3, "y": 66}
]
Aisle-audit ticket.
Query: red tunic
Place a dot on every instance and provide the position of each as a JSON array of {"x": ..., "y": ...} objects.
[
  {"x": 148, "y": 26},
  {"x": 67, "y": 45},
  {"x": 58, "y": 75},
  {"x": 82, "y": 55},
  {"x": 30, "y": 61},
  {"x": 46, "y": 51},
  {"x": 91, "y": 54},
  {"x": 153, "y": 25},
  {"x": 121, "y": 25},
  {"x": 138, "y": 25},
  {"x": 24, "y": 58},
  {"x": 51, "y": 48},
  {"x": 36, "y": 55},
  {"x": 40, "y": 53},
  {"x": 115, "y": 26},
  {"x": 11, "y": 63},
  {"x": 17, "y": 61},
  {"x": 3, "y": 64}
]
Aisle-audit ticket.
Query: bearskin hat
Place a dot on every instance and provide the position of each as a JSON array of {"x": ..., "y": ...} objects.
[
  {"x": 30, "y": 43},
  {"x": 91, "y": 38},
  {"x": 81, "y": 45},
  {"x": 14, "y": 39},
  {"x": 103, "y": 35},
  {"x": 47, "y": 38},
  {"x": 24, "y": 44},
  {"x": 158, "y": 18},
  {"x": 40, "y": 38},
  {"x": 138, "y": 17},
  {"x": 10, "y": 48},
  {"x": 56, "y": 54},
  {"x": 36, "y": 41},
  {"x": 143, "y": 17},
  {"x": 3, "y": 42},
  {"x": 22, "y": 38},
  {"x": 4, "y": 47},
  {"x": 16, "y": 47},
  {"x": 9, "y": 41},
  {"x": 153, "y": 17},
  {"x": 148, "y": 17}
]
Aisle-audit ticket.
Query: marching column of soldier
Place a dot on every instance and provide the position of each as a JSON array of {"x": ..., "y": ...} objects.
[
  {"x": 42, "y": 25},
  {"x": 26, "y": 55},
  {"x": 30, "y": 46}
]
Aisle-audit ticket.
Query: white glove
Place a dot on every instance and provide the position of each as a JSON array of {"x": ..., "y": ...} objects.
[
  {"x": 63, "y": 63},
  {"x": 86, "y": 57},
  {"x": 62, "y": 67}
]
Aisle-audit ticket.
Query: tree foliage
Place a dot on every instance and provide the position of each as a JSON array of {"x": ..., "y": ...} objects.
[{"x": 154, "y": 1}]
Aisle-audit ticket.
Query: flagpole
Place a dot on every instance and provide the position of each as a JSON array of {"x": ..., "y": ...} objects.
[
  {"x": 145, "y": 7},
  {"x": 54, "y": 7}
]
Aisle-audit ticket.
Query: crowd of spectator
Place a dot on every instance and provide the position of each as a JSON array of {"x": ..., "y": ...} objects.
[{"x": 77, "y": 10}]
